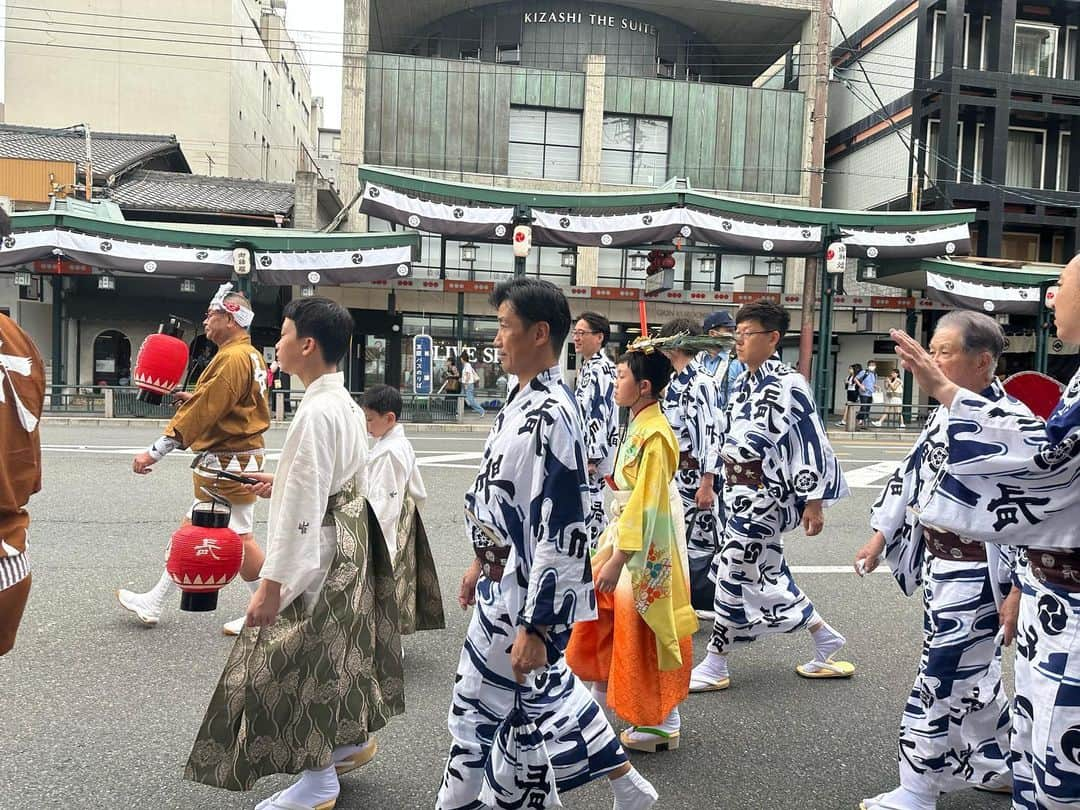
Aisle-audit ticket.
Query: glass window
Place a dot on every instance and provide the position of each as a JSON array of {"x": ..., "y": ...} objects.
[
  {"x": 470, "y": 54},
  {"x": 1063, "y": 162},
  {"x": 544, "y": 144},
  {"x": 1024, "y": 158},
  {"x": 1021, "y": 247},
  {"x": 508, "y": 54},
  {"x": 937, "y": 47},
  {"x": 1070, "y": 52},
  {"x": 1035, "y": 49},
  {"x": 634, "y": 150}
]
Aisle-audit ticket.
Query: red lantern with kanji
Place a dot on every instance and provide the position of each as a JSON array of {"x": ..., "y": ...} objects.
[
  {"x": 204, "y": 557},
  {"x": 161, "y": 363}
]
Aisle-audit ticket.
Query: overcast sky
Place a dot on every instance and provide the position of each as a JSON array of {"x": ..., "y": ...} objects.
[{"x": 316, "y": 25}]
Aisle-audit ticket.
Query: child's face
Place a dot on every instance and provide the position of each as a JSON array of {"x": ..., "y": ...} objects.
[{"x": 379, "y": 424}]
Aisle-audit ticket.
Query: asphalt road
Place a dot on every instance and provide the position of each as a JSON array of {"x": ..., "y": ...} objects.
[{"x": 99, "y": 712}]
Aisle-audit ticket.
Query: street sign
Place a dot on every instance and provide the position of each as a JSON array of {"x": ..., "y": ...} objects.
[{"x": 423, "y": 354}]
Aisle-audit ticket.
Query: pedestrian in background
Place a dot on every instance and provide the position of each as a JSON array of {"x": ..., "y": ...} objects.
[
  {"x": 469, "y": 379},
  {"x": 866, "y": 380}
]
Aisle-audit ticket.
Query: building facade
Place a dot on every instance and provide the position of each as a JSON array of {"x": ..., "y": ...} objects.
[
  {"x": 577, "y": 97},
  {"x": 964, "y": 104},
  {"x": 226, "y": 77}
]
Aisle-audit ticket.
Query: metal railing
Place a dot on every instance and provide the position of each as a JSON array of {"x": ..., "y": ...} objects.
[
  {"x": 876, "y": 417},
  {"x": 415, "y": 409}
]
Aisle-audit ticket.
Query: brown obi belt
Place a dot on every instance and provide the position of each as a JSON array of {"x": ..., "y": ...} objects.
[
  {"x": 951, "y": 547},
  {"x": 492, "y": 560},
  {"x": 687, "y": 461},
  {"x": 744, "y": 473},
  {"x": 1058, "y": 568}
]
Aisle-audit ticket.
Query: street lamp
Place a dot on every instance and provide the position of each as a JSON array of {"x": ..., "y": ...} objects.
[
  {"x": 106, "y": 282},
  {"x": 568, "y": 258},
  {"x": 23, "y": 278},
  {"x": 707, "y": 263},
  {"x": 187, "y": 286},
  {"x": 638, "y": 262},
  {"x": 468, "y": 253},
  {"x": 869, "y": 271}
]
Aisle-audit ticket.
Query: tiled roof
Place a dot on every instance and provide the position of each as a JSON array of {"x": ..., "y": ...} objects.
[
  {"x": 169, "y": 191},
  {"x": 111, "y": 152}
]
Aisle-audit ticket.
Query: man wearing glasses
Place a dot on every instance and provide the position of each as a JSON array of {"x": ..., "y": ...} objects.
[
  {"x": 223, "y": 421},
  {"x": 779, "y": 471},
  {"x": 595, "y": 393}
]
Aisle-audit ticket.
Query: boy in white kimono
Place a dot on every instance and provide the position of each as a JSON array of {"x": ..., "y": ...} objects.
[
  {"x": 319, "y": 666},
  {"x": 396, "y": 493}
]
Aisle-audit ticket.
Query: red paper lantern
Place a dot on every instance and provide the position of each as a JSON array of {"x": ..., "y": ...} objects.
[
  {"x": 204, "y": 557},
  {"x": 161, "y": 363}
]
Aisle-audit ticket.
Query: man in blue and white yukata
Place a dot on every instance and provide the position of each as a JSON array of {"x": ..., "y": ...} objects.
[
  {"x": 955, "y": 730},
  {"x": 1013, "y": 479},
  {"x": 525, "y": 515},
  {"x": 595, "y": 393},
  {"x": 691, "y": 404},
  {"x": 779, "y": 472}
]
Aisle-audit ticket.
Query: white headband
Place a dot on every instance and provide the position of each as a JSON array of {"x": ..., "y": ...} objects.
[{"x": 241, "y": 314}]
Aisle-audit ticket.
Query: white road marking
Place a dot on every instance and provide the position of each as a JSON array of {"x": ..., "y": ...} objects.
[
  {"x": 833, "y": 569},
  {"x": 869, "y": 476},
  {"x": 442, "y": 461}
]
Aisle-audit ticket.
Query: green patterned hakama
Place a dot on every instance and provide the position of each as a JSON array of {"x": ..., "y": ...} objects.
[{"x": 313, "y": 681}]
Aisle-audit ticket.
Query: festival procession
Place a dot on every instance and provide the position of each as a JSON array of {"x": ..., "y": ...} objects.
[{"x": 621, "y": 406}]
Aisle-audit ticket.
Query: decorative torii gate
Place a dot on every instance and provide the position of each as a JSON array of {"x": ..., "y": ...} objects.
[{"x": 662, "y": 216}]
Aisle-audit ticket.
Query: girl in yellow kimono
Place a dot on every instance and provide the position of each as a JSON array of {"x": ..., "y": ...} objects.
[{"x": 639, "y": 650}]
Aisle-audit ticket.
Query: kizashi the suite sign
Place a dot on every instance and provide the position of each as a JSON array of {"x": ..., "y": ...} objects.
[{"x": 580, "y": 18}]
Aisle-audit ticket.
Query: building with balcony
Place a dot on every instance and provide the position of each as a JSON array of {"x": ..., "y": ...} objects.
[{"x": 947, "y": 104}]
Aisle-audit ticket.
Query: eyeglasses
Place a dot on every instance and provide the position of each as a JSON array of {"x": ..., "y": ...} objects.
[
  {"x": 580, "y": 333},
  {"x": 742, "y": 336}
]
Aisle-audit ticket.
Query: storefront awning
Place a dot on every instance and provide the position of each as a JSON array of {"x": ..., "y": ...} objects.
[
  {"x": 619, "y": 220},
  {"x": 992, "y": 286},
  {"x": 96, "y": 234}
]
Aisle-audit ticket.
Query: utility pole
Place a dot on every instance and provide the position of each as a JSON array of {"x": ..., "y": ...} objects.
[
  {"x": 817, "y": 181},
  {"x": 89, "y": 164}
]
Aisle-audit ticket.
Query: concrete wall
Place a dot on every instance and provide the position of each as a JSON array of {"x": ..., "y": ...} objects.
[
  {"x": 892, "y": 70},
  {"x": 206, "y": 90}
]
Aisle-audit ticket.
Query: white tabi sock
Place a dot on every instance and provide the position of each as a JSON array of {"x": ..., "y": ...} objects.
[
  {"x": 671, "y": 723},
  {"x": 826, "y": 641},
  {"x": 343, "y": 752},
  {"x": 713, "y": 668},
  {"x": 157, "y": 595},
  {"x": 313, "y": 788},
  {"x": 903, "y": 799},
  {"x": 633, "y": 791}
]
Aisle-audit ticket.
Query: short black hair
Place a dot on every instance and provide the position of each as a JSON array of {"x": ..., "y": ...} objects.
[
  {"x": 681, "y": 326},
  {"x": 5, "y": 223},
  {"x": 598, "y": 323},
  {"x": 327, "y": 322},
  {"x": 654, "y": 367},
  {"x": 535, "y": 300},
  {"x": 382, "y": 399},
  {"x": 771, "y": 316}
]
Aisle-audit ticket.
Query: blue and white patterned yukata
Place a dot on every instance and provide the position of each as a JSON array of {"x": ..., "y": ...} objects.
[
  {"x": 531, "y": 494},
  {"x": 595, "y": 393},
  {"x": 955, "y": 729},
  {"x": 1013, "y": 479},
  {"x": 771, "y": 420},
  {"x": 692, "y": 406}
]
